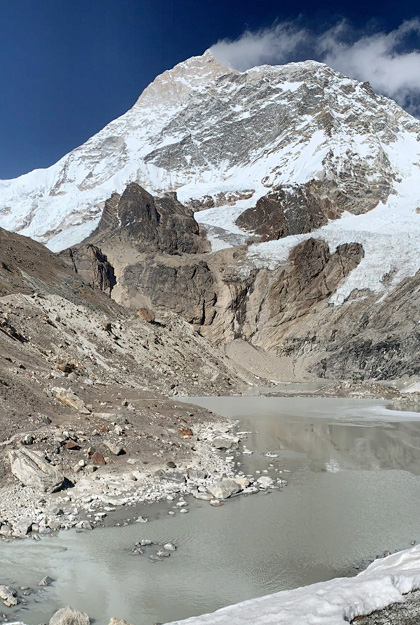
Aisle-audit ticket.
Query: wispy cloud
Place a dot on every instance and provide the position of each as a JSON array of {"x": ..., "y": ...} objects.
[{"x": 390, "y": 61}]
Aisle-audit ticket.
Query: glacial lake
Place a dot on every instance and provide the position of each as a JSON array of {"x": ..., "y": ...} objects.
[{"x": 353, "y": 492}]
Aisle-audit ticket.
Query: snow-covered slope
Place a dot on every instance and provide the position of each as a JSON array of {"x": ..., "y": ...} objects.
[
  {"x": 389, "y": 233},
  {"x": 223, "y": 139},
  {"x": 329, "y": 603}
]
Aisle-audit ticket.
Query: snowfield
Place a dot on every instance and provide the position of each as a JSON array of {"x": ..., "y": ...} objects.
[{"x": 334, "y": 602}]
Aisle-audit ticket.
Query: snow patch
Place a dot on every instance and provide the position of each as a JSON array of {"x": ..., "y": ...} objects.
[{"x": 330, "y": 603}]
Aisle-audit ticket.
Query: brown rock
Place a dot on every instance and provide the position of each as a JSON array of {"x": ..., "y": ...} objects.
[
  {"x": 186, "y": 431},
  {"x": 66, "y": 367},
  {"x": 146, "y": 314},
  {"x": 71, "y": 445},
  {"x": 98, "y": 458}
]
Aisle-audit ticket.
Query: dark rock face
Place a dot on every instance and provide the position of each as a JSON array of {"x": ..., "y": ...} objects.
[
  {"x": 152, "y": 224},
  {"x": 315, "y": 274},
  {"x": 149, "y": 248},
  {"x": 185, "y": 288},
  {"x": 297, "y": 210},
  {"x": 376, "y": 339},
  {"x": 282, "y": 213},
  {"x": 93, "y": 267}
]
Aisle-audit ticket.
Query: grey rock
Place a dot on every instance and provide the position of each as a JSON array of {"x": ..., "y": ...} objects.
[
  {"x": 162, "y": 553},
  {"x": 223, "y": 489},
  {"x": 46, "y": 581},
  {"x": 222, "y": 443},
  {"x": 265, "y": 481},
  {"x": 174, "y": 476},
  {"x": 6, "y": 530},
  {"x": 32, "y": 469},
  {"x": 68, "y": 616},
  {"x": 22, "y": 527},
  {"x": 197, "y": 474},
  {"x": 8, "y": 596},
  {"x": 202, "y": 496},
  {"x": 169, "y": 547},
  {"x": 115, "y": 449},
  {"x": 28, "y": 439}
]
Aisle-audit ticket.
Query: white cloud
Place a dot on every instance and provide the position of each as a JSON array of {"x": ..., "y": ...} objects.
[
  {"x": 269, "y": 45},
  {"x": 389, "y": 61}
]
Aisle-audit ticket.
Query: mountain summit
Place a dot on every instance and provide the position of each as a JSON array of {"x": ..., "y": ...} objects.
[{"x": 274, "y": 153}]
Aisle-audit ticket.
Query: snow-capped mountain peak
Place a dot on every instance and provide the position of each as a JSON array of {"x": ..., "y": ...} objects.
[
  {"x": 224, "y": 139},
  {"x": 174, "y": 86}
]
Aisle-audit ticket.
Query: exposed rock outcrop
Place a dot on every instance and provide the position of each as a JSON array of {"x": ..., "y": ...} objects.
[
  {"x": 184, "y": 286},
  {"x": 300, "y": 209},
  {"x": 93, "y": 266},
  {"x": 155, "y": 247},
  {"x": 149, "y": 223}
]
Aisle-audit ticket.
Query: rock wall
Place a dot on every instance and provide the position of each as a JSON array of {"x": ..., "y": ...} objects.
[
  {"x": 300, "y": 209},
  {"x": 149, "y": 253}
]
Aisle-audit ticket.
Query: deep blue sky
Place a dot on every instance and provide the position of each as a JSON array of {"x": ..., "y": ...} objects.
[{"x": 69, "y": 67}]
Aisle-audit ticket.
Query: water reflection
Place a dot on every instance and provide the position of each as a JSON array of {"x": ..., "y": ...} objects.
[
  {"x": 353, "y": 492},
  {"x": 332, "y": 434}
]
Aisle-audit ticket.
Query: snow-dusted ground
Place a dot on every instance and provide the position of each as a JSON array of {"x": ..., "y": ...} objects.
[{"x": 328, "y": 603}]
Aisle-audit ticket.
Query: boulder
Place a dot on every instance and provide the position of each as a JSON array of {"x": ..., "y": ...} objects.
[
  {"x": 32, "y": 469},
  {"x": 222, "y": 443},
  {"x": 22, "y": 527},
  {"x": 174, "y": 476},
  {"x": 68, "y": 616},
  {"x": 223, "y": 489},
  {"x": 169, "y": 547},
  {"x": 197, "y": 474},
  {"x": 118, "y": 621},
  {"x": 115, "y": 449},
  {"x": 67, "y": 398},
  {"x": 243, "y": 482},
  {"x": 225, "y": 442},
  {"x": 265, "y": 481},
  {"x": 146, "y": 314},
  {"x": 46, "y": 581},
  {"x": 98, "y": 458},
  {"x": 202, "y": 496},
  {"x": 8, "y": 595}
]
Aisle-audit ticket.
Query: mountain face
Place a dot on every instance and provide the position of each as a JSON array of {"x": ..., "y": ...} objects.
[{"x": 305, "y": 183}]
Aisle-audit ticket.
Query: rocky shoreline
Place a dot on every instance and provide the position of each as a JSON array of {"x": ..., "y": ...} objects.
[
  {"x": 69, "y": 616},
  {"x": 124, "y": 481},
  {"x": 109, "y": 494}
]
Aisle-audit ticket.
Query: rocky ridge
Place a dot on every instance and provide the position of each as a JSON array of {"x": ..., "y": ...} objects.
[{"x": 285, "y": 311}]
